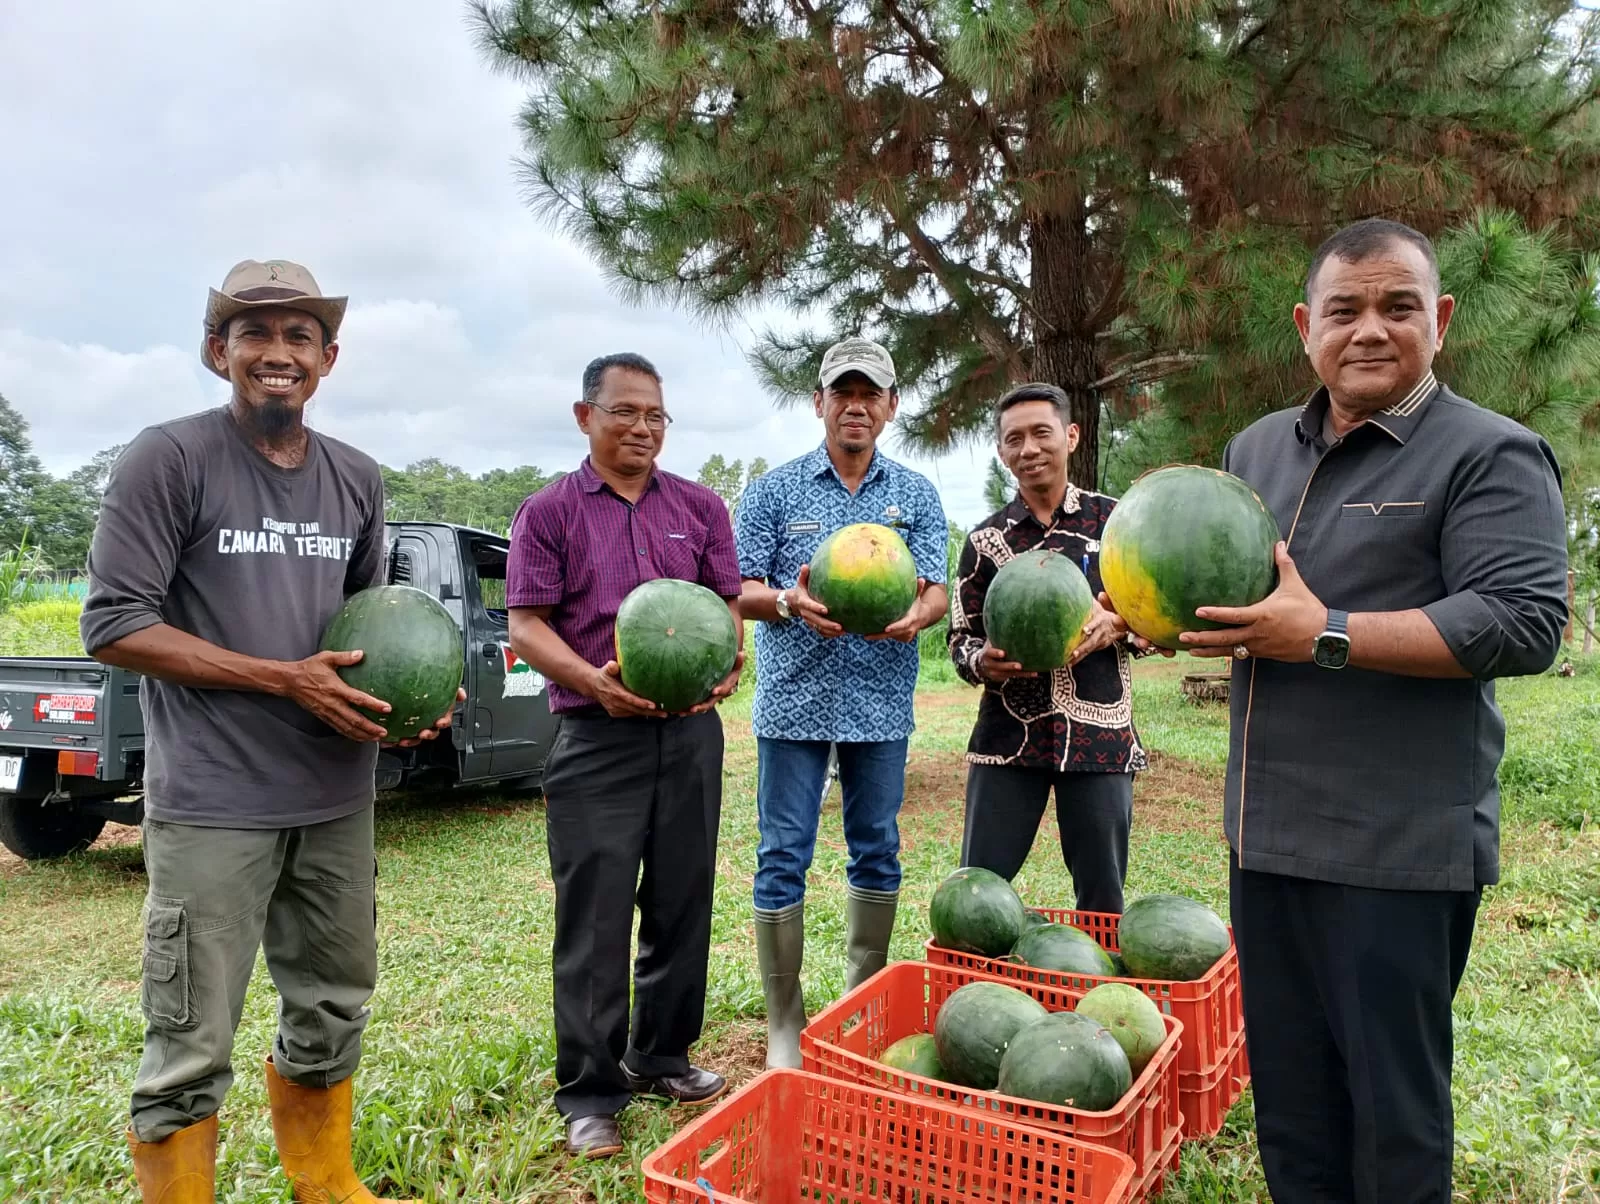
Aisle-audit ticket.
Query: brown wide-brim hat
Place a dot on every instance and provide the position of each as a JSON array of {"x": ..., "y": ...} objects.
[{"x": 254, "y": 284}]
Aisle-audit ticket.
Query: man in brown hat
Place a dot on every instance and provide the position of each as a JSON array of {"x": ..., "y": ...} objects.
[{"x": 226, "y": 542}]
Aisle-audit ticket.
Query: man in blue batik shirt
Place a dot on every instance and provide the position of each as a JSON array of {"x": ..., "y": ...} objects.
[{"x": 817, "y": 686}]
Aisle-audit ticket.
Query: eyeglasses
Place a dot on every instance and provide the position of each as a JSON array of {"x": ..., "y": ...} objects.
[{"x": 656, "y": 420}]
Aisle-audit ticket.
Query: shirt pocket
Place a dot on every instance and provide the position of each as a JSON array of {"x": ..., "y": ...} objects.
[
  {"x": 681, "y": 553},
  {"x": 1385, "y": 511}
]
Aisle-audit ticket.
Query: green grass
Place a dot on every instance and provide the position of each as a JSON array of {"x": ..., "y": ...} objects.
[{"x": 454, "y": 1089}]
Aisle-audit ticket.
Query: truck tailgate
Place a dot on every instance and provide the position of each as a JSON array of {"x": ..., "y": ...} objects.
[{"x": 56, "y": 703}]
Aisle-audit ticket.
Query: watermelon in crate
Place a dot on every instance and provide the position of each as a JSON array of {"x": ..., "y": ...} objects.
[
  {"x": 847, "y": 1040},
  {"x": 1213, "y": 1063}
]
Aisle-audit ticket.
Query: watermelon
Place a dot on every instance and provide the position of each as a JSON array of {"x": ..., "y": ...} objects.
[
  {"x": 1035, "y": 609},
  {"x": 1130, "y": 1016},
  {"x": 412, "y": 655},
  {"x": 974, "y": 1027},
  {"x": 917, "y": 1054},
  {"x": 1062, "y": 948},
  {"x": 974, "y": 910},
  {"x": 1182, "y": 538},
  {"x": 1032, "y": 919},
  {"x": 1171, "y": 937},
  {"x": 675, "y": 641},
  {"x": 865, "y": 576},
  {"x": 1119, "y": 968},
  {"x": 1069, "y": 1059}
]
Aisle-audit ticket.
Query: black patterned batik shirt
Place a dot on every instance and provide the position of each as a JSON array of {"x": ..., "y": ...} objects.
[{"x": 1078, "y": 719}]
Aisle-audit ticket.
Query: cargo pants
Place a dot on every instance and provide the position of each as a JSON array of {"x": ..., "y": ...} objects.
[{"x": 306, "y": 897}]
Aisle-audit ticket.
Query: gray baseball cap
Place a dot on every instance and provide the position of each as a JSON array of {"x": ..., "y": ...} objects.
[{"x": 857, "y": 355}]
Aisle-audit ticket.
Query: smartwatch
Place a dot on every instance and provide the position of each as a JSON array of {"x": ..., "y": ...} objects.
[
  {"x": 782, "y": 604},
  {"x": 1332, "y": 648}
]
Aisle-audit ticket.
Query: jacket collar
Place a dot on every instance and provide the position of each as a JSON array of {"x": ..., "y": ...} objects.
[{"x": 1398, "y": 421}]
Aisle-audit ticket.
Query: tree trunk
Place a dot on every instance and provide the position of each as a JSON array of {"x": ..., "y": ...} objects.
[
  {"x": 1588, "y": 627},
  {"x": 1064, "y": 351}
]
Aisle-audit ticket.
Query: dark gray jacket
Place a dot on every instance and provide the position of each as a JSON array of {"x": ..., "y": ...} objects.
[{"x": 1372, "y": 779}]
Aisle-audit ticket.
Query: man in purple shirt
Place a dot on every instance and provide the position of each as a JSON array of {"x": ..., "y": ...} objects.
[{"x": 625, "y": 784}]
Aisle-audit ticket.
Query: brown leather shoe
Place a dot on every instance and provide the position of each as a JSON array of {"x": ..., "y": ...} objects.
[
  {"x": 593, "y": 1137},
  {"x": 180, "y": 1169},
  {"x": 695, "y": 1086}
]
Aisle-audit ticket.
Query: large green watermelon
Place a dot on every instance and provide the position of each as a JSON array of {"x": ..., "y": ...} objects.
[
  {"x": 1062, "y": 948},
  {"x": 412, "y": 655},
  {"x": 975, "y": 910},
  {"x": 1171, "y": 937},
  {"x": 916, "y": 1054},
  {"x": 1132, "y": 1018},
  {"x": 974, "y": 1027},
  {"x": 1182, "y": 538},
  {"x": 865, "y": 576},
  {"x": 1066, "y": 1059},
  {"x": 1035, "y": 609},
  {"x": 675, "y": 641}
]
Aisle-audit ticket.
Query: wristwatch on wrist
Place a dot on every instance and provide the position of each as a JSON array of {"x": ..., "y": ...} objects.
[
  {"x": 1332, "y": 648},
  {"x": 782, "y": 603}
]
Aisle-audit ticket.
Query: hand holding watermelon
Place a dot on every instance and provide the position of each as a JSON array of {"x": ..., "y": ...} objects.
[
  {"x": 316, "y": 685},
  {"x": 1283, "y": 626},
  {"x": 808, "y": 608},
  {"x": 909, "y": 625},
  {"x": 993, "y": 665},
  {"x": 606, "y": 688}
]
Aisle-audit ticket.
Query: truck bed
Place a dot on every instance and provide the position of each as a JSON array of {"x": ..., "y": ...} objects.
[{"x": 71, "y": 704}]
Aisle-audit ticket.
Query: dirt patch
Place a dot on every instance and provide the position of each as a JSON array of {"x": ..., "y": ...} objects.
[{"x": 1176, "y": 795}]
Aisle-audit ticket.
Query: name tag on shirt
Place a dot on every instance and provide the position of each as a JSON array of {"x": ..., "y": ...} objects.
[{"x": 805, "y": 528}]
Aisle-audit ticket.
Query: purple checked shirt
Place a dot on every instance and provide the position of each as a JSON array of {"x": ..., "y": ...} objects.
[{"x": 579, "y": 547}]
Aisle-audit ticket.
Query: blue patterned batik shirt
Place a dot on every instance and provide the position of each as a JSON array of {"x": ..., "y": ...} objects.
[{"x": 846, "y": 688}]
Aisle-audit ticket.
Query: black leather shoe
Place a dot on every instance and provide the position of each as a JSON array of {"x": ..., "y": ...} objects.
[
  {"x": 593, "y": 1137},
  {"x": 696, "y": 1086}
]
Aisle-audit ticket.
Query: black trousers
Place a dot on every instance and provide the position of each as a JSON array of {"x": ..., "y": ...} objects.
[
  {"x": 621, "y": 796},
  {"x": 1347, "y": 994},
  {"x": 1094, "y": 812}
]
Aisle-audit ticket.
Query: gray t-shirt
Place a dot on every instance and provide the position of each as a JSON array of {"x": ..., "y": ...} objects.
[{"x": 200, "y": 531}]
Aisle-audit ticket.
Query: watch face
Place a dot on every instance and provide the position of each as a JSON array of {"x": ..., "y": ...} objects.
[{"x": 1331, "y": 651}]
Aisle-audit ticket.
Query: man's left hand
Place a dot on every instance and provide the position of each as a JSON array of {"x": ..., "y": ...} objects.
[
  {"x": 431, "y": 733},
  {"x": 723, "y": 689},
  {"x": 1281, "y": 627},
  {"x": 1101, "y": 629},
  {"x": 907, "y": 626}
]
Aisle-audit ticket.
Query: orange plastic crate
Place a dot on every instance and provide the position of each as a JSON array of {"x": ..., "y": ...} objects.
[
  {"x": 845, "y": 1041},
  {"x": 1205, "y": 1097},
  {"x": 788, "y": 1135},
  {"x": 1211, "y": 1009}
]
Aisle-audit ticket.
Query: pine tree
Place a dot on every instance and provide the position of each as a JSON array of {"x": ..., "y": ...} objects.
[
  {"x": 998, "y": 486},
  {"x": 1105, "y": 194}
]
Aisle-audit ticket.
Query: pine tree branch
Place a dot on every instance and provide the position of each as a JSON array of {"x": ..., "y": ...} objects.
[
  {"x": 1150, "y": 369},
  {"x": 935, "y": 58}
]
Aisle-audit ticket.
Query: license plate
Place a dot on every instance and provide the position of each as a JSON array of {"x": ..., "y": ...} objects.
[{"x": 10, "y": 772}]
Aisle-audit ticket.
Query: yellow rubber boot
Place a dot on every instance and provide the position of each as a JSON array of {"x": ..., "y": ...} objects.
[
  {"x": 312, "y": 1128},
  {"x": 180, "y": 1169}
]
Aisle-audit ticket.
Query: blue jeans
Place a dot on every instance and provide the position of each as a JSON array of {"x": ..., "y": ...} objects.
[{"x": 790, "y": 774}]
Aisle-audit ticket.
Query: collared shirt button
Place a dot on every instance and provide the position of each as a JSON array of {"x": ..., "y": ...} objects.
[{"x": 641, "y": 551}]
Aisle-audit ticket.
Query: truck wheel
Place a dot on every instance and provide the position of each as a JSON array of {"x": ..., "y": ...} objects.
[{"x": 37, "y": 831}]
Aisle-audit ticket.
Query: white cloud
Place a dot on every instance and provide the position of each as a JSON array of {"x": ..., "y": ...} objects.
[{"x": 147, "y": 151}]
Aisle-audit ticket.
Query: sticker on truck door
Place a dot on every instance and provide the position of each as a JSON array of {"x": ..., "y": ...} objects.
[
  {"x": 64, "y": 708},
  {"x": 521, "y": 680}
]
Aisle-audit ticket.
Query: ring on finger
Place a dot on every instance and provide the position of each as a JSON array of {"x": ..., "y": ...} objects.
[{"x": 1240, "y": 652}]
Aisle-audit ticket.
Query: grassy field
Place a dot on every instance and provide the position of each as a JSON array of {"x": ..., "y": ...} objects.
[{"x": 454, "y": 1090}]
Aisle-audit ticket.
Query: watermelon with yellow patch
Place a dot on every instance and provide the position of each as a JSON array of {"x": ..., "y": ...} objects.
[
  {"x": 1182, "y": 538},
  {"x": 865, "y": 576}
]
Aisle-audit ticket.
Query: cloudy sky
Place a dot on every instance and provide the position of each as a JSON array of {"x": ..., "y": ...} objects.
[{"x": 149, "y": 147}]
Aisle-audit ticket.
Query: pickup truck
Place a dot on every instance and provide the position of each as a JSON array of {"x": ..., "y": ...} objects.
[{"x": 72, "y": 731}]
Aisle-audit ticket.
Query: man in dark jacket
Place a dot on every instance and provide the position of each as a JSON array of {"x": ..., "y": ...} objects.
[{"x": 1424, "y": 555}]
